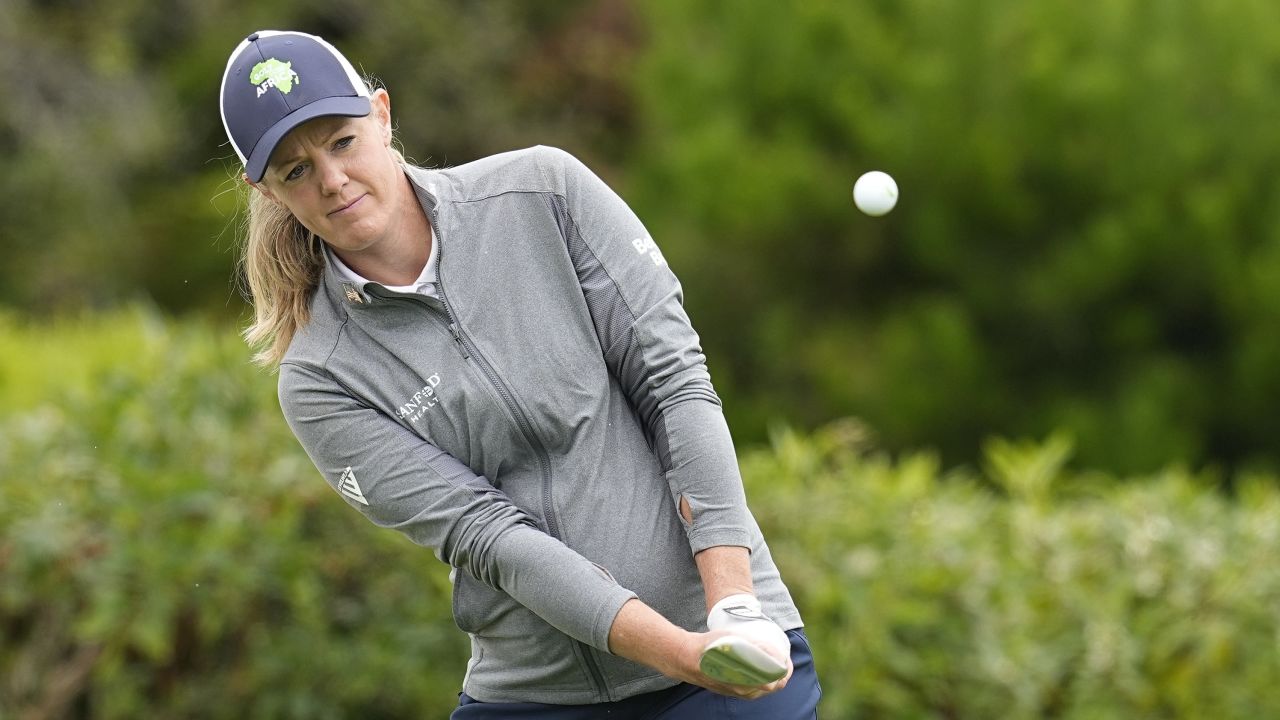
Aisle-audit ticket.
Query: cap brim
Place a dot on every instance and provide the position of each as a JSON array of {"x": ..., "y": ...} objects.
[{"x": 256, "y": 166}]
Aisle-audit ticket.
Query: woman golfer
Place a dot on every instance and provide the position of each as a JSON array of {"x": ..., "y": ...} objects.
[{"x": 493, "y": 359}]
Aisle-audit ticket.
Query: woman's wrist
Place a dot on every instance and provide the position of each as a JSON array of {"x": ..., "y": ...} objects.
[
  {"x": 639, "y": 633},
  {"x": 725, "y": 570}
]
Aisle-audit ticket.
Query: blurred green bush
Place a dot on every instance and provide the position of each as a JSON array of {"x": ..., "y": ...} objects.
[
  {"x": 1026, "y": 592},
  {"x": 166, "y": 550}
]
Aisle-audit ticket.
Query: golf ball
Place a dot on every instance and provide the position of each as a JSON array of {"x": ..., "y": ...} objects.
[{"x": 875, "y": 193}]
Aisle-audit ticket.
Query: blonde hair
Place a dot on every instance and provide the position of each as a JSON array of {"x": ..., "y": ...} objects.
[{"x": 281, "y": 263}]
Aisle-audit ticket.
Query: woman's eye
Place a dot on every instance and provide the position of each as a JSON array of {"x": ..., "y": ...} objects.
[
  {"x": 344, "y": 142},
  {"x": 294, "y": 173}
]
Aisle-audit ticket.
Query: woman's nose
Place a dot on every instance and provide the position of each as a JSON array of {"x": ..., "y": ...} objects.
[{"x": 332, "y": 176}]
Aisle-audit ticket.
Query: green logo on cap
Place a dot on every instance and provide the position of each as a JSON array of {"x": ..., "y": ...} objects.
[{"x": 271, "y": 73}]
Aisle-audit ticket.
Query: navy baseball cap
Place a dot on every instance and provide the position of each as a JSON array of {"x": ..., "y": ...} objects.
[{"x": 274, "y": 82}]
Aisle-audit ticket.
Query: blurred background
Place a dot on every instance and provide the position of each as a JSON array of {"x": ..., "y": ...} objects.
[
  {"x": 1085, "y": 258},
  {"x": 1088, "y": 237}
]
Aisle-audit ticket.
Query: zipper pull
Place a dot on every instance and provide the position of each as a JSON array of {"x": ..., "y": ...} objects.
[{"x": 457, "y": 337}]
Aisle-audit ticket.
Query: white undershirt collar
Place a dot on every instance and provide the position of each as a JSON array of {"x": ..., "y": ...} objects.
[{"x": 425, "y": 284}]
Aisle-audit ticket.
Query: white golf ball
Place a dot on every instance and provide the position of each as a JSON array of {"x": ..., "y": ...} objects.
[{"x": 875, "y": 193}]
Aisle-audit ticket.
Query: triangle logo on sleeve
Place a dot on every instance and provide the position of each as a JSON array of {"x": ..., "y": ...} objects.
[{"x": 349, "y": 487}]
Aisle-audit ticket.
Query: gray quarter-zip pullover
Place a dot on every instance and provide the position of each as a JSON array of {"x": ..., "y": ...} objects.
[{"x": 534, "y": 424}]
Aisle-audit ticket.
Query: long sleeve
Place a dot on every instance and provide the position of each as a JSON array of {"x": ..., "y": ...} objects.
[
  {"x": 399, "y": 481},
  {"x": 650, "y": 346}
]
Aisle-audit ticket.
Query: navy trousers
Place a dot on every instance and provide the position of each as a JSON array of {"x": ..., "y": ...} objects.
[{"x": 797, "y": 701}]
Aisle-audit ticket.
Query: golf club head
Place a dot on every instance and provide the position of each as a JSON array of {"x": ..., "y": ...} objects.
[{"x": 738, "y": 661}]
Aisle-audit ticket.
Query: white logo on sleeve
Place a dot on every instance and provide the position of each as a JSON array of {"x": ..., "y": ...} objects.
[
  {"x": 347, "y": 483},
  {"x": 646, "y": 245}
]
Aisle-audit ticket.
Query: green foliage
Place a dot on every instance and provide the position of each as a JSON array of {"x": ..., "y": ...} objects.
[
  {"x": 1087, "y": 235},
  {"x": 1029, "y": 593},
  {"x": 166, "y": 550}
]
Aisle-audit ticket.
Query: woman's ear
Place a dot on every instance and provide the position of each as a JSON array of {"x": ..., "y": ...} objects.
[
  {"x": 260, "y": 187},
  {"x": 381, "y": 112}
]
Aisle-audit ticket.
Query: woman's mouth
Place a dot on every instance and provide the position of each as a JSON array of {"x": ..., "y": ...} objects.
[{"x": 349, "y": 206}]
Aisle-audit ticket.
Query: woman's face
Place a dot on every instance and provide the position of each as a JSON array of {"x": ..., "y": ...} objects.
[{"x": 338, "y": 176}]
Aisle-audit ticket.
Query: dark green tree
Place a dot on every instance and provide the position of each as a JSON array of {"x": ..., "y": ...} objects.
[{"x": 1086, "y": 237}]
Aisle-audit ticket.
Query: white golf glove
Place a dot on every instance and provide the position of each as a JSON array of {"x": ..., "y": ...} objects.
[{"x": 741, "y": 658}]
